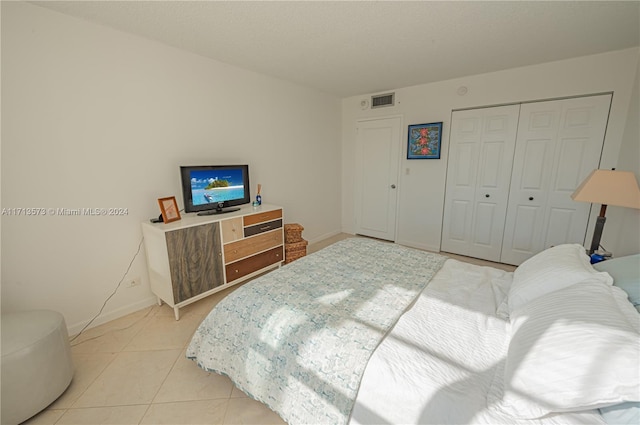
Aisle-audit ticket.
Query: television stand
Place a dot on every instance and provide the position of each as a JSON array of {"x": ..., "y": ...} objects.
[
  {"x": 194, "y": 257},
  {"x": 218, "y": 211}
]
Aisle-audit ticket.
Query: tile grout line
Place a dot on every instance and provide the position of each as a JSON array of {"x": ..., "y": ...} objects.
[
  {"x": 113, "y": 359},
  {"x": 144, "y": 415},
  {"x": 116, "y": 354},
  {"x": 175, "y": 362}
]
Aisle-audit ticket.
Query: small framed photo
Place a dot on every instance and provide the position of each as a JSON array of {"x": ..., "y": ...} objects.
[
  {"x": 169, "y": 209},
  {"x": 424, "y": 141}
]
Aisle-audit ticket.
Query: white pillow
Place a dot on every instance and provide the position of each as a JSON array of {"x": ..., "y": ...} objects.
[
  {"x": 570, "y": 350},
  {"x": 552, "y": 269}
]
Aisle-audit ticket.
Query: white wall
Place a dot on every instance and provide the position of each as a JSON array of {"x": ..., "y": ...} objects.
[
  {"x": 422, "y": 190},
  {"x": 93, "y": 117},
  {"x": 622, "y": 230}
]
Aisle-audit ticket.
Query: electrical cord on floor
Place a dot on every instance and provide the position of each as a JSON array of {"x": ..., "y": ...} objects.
[
  {"x": 150, "y": 309},
  {"x": 112, "y": 294}
]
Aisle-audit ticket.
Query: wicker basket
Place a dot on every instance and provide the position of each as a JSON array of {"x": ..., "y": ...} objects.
[
  {"x": 295, "y": 250},
  {"x": 293, "y": 233}
]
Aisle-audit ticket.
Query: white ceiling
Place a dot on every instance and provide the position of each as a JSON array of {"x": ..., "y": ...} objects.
[{"x": 359, "y": 47}]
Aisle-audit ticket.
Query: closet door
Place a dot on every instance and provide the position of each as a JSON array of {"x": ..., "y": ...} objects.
[
  {"x": 478, "y": 173},
  {"x": 558, "y": 144}
]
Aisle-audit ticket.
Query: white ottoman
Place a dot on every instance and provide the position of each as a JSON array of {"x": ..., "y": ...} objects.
[{"x": 36, "y": 363}]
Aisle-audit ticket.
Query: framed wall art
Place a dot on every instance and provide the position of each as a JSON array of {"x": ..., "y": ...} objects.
[{"x": 424, "y": 141}]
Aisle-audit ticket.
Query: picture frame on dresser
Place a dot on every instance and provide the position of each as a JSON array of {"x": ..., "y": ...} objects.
[{"x": 169, "y": 209}]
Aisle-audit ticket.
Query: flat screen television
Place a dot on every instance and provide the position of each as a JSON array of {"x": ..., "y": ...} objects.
[{"x": 214, "y": 189}]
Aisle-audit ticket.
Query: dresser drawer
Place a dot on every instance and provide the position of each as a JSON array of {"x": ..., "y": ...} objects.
[
  {"x": 232, "y": 229},
  {"x": 236, "y": 250},
  {"x": 249, "y": 265},
  {"x": 250, "y": 220},
  {"x": 262, "y": 227}
]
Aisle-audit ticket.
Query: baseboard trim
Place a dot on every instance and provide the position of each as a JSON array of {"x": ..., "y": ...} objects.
[
  {"x": 325, "y": 236},
  {"x": 418, "y": 245},
  {"x": 112, "y": 315}
]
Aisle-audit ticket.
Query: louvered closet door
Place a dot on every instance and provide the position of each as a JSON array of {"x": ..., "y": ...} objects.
[
  {"x": 478, "y": 173},
  {"x": 558, "y": 144}
]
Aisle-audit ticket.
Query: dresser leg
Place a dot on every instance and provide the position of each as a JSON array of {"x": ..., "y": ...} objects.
[
  {"x": 176, "y": 312},
  {"x": 159, "y": 300}
]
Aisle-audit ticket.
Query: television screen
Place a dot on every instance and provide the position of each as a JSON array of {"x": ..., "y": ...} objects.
[{"x": 215, "y": 187}]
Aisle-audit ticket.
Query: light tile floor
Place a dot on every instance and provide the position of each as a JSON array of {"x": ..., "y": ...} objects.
[{"x": 133, "y": 370}]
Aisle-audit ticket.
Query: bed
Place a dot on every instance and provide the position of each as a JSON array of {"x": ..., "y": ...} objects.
[{"x": 366, "y": 332}]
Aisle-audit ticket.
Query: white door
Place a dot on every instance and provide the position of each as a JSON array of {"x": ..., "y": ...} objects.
[
  {"x": 377, "y": 156},
  {"x": 478, "y": 173},
  {"x": 558, "y": 144}
]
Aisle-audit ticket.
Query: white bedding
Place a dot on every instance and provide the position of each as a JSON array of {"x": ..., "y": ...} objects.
[
  {"x": 298, "y": 340},
  {"x": 439, "y": 363}
]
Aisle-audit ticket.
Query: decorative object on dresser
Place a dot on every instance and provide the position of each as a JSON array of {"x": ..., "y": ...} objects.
[
  {"x": 202, "y": 255},
  {"x": 294, "y": 246},
  {"x": 258, "y": 196},
  {"x": 169, "y": 209}
]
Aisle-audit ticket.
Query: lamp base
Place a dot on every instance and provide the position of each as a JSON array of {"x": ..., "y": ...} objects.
[{"x": 597, "y": 234}]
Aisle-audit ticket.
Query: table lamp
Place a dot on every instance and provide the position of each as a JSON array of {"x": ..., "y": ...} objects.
[{"x": 607, "y": 187}]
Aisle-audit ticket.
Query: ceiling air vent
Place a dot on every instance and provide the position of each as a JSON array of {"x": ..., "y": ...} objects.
[{"x": 382, "y": 100}]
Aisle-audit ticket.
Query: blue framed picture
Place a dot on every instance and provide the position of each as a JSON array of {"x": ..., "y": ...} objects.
[{"x": 424, "y": 141}]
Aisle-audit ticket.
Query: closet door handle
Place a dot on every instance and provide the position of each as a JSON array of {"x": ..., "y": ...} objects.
[
  {"x": 393, "y": 186},
  {"x": 486, "y": 195},
  {"x": 531, "y": 198}
]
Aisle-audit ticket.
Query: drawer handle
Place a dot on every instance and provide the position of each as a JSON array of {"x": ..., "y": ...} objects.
[
  {"x": 265, "y": 228},
  {"x": 236, "y": 270}
]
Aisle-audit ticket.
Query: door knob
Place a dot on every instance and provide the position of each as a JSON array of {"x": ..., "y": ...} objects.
[
  {"x": 486, "y": 196},
  {"x": 531, "y": 198},
  {"x": 393, "y": 186}
]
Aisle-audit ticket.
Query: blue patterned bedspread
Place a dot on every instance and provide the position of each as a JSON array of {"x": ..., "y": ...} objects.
[{"x": 298, "y": 338}]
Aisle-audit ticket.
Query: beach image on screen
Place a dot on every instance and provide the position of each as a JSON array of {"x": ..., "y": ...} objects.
[{"x": 213, "y": 186}]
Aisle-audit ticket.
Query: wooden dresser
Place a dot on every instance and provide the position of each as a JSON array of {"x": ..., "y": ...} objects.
[{"x": 197, "y": 256}]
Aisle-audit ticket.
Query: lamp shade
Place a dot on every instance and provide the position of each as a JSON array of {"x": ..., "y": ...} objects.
[{"x": 609, "y": 187}]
